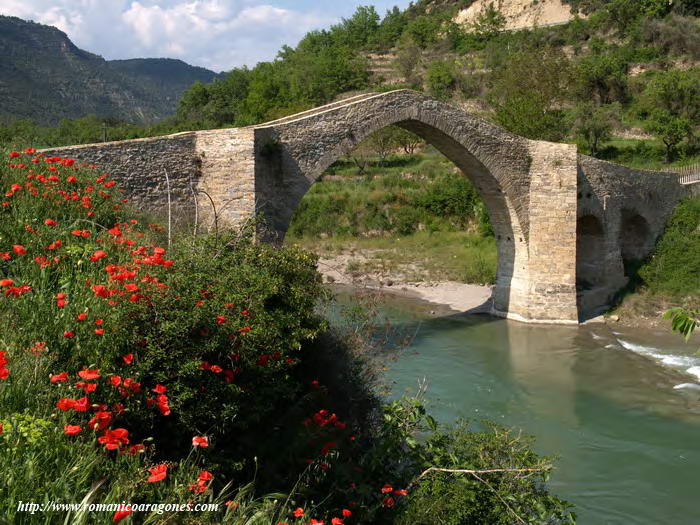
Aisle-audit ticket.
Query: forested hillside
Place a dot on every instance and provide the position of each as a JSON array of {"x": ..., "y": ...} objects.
[
  {"x": 45, "y": 77},
  {"x": 622, "y": 71},
  {"x": 621, "y": 78}
]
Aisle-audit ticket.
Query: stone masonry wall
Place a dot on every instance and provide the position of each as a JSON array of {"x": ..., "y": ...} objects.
[
  {"x": 618, "y": 197},
  {"x": 139, "y": 166},
  {"x": 552, "y": 263},
  {"x": 227, "y": 163}
]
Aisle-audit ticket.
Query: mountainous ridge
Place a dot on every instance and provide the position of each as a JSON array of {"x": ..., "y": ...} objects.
[{"x": 45, "y": 77}]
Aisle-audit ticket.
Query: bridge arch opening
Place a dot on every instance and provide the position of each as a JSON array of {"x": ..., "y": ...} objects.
[
  {"x": 509, "y": 236},
  {"x": 635, "y": 239}
]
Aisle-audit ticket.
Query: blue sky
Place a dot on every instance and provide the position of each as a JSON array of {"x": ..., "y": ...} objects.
[{"x": 216, "y": 34}]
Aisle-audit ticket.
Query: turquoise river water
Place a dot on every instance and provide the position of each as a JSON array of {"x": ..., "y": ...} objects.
[{"x": 621, "y": 409}]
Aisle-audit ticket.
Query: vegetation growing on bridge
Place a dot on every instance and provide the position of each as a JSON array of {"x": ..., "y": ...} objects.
[
  {"x": 671, "y": 276},
  {"x": 674, "y": 268},
  {"x": 139, "y": 367}
]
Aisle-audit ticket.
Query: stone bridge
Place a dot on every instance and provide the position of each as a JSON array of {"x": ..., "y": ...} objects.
[{"x": 565, "y": 224}]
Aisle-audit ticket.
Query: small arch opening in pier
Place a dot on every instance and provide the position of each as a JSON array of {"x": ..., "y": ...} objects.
[
  {"x": 635, "y": 238},
  {"x": 590, "y": 252}
]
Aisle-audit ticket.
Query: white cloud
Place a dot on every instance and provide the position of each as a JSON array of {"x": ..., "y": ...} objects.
[{"x": 218, "y": 34}]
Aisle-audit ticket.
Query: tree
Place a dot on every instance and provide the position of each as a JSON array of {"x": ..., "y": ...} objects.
[
  {"x": 382, "y": 143},
  {"x": 407, "y": 141},
  {"x": 359, "y": 29},
  {"x": 408, "y": 56},
  {"x": 683, "y": 321},
  {"x": 441, "y": 78},
  {"x": 670, "y": 128},
  {"x": 424, "y": 30},
  {"x": 489, "y": 22},
  {"x": 528, "y": 89},
  {"x": 670, "y": 103},
  {"x": 623, "y": 14},
  {"x": 675, "y": 91},
  {"x": 595, "y": 124},
  {"x": 390, "y": 30},
  {"x": 687, "y": 7},
  {"x": 602, "y": 76}
]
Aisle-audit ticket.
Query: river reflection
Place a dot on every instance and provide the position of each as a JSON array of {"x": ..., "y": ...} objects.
[{"x": 628, "y": 443}]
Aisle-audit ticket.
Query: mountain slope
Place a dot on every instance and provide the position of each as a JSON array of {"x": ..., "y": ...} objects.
[{"x": 45, "y": 77}]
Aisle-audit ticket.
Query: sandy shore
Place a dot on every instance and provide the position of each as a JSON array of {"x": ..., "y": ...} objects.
[{"x": 459, "y": 297}]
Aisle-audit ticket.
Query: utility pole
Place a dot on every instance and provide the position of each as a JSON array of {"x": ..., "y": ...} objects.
[{"x": 104, "y": 132}]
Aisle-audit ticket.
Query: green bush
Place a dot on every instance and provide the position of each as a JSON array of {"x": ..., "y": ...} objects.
[
  {"x": 131, "y": 372},
  {"x": 460, "y": 498},
  {"x": 441, "y": 79},
  {"x": 674, "y": 267}
]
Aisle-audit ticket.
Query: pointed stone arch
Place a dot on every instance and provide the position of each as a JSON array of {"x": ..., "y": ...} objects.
[{"x": 292, "y": 153}]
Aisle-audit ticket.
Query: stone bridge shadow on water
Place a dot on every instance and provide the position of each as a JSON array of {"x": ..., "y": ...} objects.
[{"x": 564, "y": 222}]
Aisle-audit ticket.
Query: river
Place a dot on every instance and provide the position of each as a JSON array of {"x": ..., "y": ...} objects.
[{"x": 606, "y": 402}]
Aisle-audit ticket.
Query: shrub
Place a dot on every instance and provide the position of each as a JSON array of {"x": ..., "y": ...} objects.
[
  {"x": 138, "y": 373},
  {"x": 441, "y": 78},
  {"x": 674, "y": 267}
]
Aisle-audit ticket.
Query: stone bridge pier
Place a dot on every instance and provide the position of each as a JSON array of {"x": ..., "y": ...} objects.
[{"x": 565, "y": 224}]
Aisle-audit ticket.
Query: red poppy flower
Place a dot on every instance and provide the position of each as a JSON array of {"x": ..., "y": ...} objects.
[
  {"x": 158, "y": 473},
  {"x": 160, "y": 389},
  {"x": 121, "y": 513},
  {"x": 113, "y": 439},
  {"x": 401, "y": 492},
  {"x": 135, "y": 449},
  {"x": 59, "y": 378},
  {"x": 99, "y": 254},
  {"x": 81, "y": 316},
  {"x": 163, "y": 406},
  {"x": 100, "y": 420},
  {"x": 89, "y": 374},
  {"x": 387, "y": 488},
  {"x": 200, "y": 441},
  {"x": 68, "y": 334},
  {"x": 389, "y": 502},
  {"x": 50, "y": 222},
  {"x": 128, "y": 358},
  {"x": 81, "y": 405},
  {"x": 100, "y": 290},
  {"x": 298, "y": 512},
  {"x": 337, "y": 521},
  {"x": 14, "y": 154},
  {"x": 6, "y": 282},
  {"x": 347, "y": 513},
  {"x": 99, "y": 331},
  {"x": 72, "y": 430},
  {"x": 65, "y": 403},
  {"x": 19, "y": 249},
  {"x": 86, "y": 387}
]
